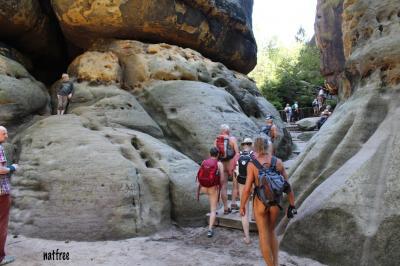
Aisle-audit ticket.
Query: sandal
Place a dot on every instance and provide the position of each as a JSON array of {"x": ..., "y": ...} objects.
[
  {"x": 7, "y": 259},
  {"x": 228, "y": 211}
]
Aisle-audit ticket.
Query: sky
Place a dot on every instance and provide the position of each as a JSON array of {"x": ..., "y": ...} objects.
[{"x": 282, "y": 18}]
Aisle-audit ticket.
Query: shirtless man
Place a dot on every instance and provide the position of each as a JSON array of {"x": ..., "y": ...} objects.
[
  {"x": 266, "y": 216},
  {"x": 229, "y": 164}
]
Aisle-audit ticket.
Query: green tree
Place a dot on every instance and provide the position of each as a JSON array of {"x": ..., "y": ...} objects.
[{"x": 290, "y": 74}]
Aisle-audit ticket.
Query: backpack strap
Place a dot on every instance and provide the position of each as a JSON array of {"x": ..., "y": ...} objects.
[
  {"x": 273, "y": 162},
  {"x": 256, "y": 162}
]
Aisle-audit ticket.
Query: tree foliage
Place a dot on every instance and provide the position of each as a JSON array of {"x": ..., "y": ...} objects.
[{"x": 285, "y": 75}]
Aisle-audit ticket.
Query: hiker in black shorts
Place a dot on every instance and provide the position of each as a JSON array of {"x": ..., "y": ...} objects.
[
  {"x": 64, "y": 93},
  {"x": 241, "y": 170}
]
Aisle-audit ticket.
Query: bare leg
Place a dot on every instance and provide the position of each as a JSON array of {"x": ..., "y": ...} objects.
[
  {"x": 273, "y": 241},
  {"x": 245, "y": 218},
  {"x": 213, "y": 198},
  {"x": 235, "y": 191},
  {"x": 262, "y": 226},
  {"x": 224, "y": 188}
]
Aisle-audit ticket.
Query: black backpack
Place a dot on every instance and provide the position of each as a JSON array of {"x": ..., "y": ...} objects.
[{"x": 244, "y": 159}]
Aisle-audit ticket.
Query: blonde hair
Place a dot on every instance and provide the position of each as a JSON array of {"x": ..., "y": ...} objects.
[{"x": 261, "y": 145}]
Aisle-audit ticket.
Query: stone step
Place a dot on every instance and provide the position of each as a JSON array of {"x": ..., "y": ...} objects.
[
  {"x": 233, "y": 220},
  {"x": 292, "y": 127}
]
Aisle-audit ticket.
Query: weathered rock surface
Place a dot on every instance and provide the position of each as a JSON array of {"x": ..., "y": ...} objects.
[
  {"x": 306, "y": 136},
  {"x": 108, "y": 105},
  {"x": 20, "y": 94},
  {"x": 96, "y": 67},
  {"x": 220, "y": 30},
  {"x": 25, "y": 24},
  {"x": 328, "y": 33},
  {"x": 308, "y": 124},
  {"x": 346, "y": 181},
  {"x": 86, "y": 183},
  {"x": 145, "y": 65},
  {"x": 175, "y": 106}
]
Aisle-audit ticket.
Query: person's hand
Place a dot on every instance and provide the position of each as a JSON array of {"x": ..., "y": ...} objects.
[
  {"x": 70, "y": 96},
  {"x": 13, "y": 168},
  {"x": 242, "y": 210},
  {"x": 16, "y": 166},
  {"x": 291, "y": 211}
]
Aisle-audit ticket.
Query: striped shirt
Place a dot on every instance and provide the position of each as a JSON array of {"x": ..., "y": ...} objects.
[{"x": 4, "y": 179}]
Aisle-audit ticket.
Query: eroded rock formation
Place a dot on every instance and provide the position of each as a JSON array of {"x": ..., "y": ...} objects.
[
  {"x": 122, "y": 162},
  {"x": 347, "y": 179},
  {"x": 220, "y": 30},
  {"x": 328, "y": 33}
]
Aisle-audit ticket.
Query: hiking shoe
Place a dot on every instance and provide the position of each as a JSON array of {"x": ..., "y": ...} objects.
[
  {"x": 7, "y": 259},
  {"x": 210, "y": 233}
]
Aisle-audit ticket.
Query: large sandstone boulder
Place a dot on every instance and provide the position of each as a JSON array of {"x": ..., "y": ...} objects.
[
  {"x": 308, "y": 124},
  {"x": 190, "y": 113},
  {"x": 346, "y": 182},
  {"x": 84, "y": 183},
  {"x": 145, "y": 66},
  {"x": 20, "y": 94},
  {"x": 220, "y": 30},
  {"x": 328, "y": 33},
  {"x": 108, "y": 105}
]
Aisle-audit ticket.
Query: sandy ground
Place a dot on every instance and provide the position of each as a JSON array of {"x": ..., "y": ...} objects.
[{"x": 177, "y": 246}]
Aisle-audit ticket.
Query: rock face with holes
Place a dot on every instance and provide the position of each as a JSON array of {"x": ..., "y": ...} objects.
[
  {"x": 84, "y": 182},
  {"x": 21, "y": 95},
  {"x": 158, "y": 72},
  {"x": 328, "y": 33},
  {"x": 221, "y": 29},
  {"x": 175, "y": 106},
  {"x": 346, "y": 181}
]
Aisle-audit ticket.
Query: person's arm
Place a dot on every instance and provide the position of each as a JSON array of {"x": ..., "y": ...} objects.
[
  {"x": 235, "y": 145},
  {"x": 247, "y": 188},
  {"x": 71, "y": 90},
  {"x": 274, "y": 133},
  {"x": 280, "y": 167},
  {"x": 8, "y": 169}
]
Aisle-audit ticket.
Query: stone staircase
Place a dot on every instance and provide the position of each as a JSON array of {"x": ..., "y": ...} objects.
[{"x": 233, "y": 220}]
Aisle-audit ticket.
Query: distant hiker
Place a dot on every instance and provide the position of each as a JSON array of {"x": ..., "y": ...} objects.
[
  {"x": 315, "y": 106},
  {"x": 288, "y": 112},
  {"x": 228, "y": 155},
  {"x": 324, "y": 116},
  {"x": 268, "y": 175},
  {"x": 270, "y": 130},
  {"x": 295, "y": 112},
  {"x": 208, "y": 177},
  {"x": 244, "y": 159},
  {"x": 64, "y": 93},
  {"x": 321, "y": 98},
  {"x": 6, "y": 170}
]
